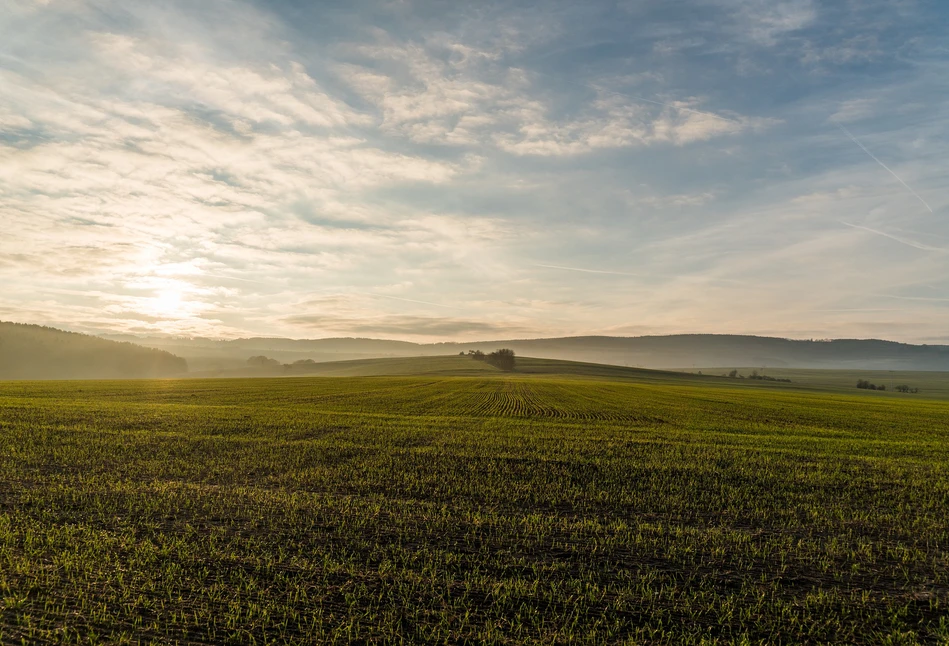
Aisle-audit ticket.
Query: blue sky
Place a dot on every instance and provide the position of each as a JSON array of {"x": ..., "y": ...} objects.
[{"x": 438, "y": 170}]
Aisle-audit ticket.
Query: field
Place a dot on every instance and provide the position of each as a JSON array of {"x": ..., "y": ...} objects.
[
  {"x": 932, "y": 385},
  {"x": 544, "y": 508}
]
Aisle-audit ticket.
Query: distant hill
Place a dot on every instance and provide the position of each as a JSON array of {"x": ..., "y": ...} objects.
[
  {"x": 213, "y": 354},
  {"x": 673, "y": 351},
  {"x": 719, "y": 350},
  {"x": 36, "y": 352},
  {"x": 458, "y": 366}
]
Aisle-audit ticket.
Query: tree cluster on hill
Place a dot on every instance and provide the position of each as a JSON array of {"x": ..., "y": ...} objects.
[
  {"x": 903, "y": 388},
  {"x": 502, "y": 359},
  {"x": 762, "y": 377},
  {"x": 260, "y": 361},
  {"x": 756, "y": 375},
  {"x": 866, "y": 385},
  {"x": 37, "y": 352}
]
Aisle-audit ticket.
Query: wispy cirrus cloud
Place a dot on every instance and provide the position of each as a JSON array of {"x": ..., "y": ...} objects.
[
  {"x": 424, "y": 92},
  {"x": 406, "y": 326},
  {"x": 204, "y": 168}
]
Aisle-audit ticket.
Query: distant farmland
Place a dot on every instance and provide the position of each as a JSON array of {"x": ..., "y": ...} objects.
[{"x": 533, "y": 508}]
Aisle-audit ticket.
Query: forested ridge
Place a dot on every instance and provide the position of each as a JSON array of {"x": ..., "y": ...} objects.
[{"x": 37, "y": 352}]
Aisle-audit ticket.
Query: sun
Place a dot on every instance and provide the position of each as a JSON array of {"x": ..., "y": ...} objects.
[{"x": 168, "y": 303}]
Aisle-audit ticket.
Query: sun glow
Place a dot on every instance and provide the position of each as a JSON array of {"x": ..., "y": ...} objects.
[{"x": 168, "y": 303}]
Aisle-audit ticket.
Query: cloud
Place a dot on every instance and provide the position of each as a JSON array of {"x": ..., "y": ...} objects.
[
  {"x": 617, "y": 122},
  {"x": 405, "y": 326},
  {"x": 769, "y": 21},
  {"x": 429, "y": 99},
  {"x": 674, "y": 200},
  {"x": 857, "y": 49},
  {"x": 285, "y": 95},
  {"x": 411, "y": 300},
  {"x": 208, "y": 168},
  {"x": 192, "y": 156},
  {"x": 584, "y": 270}
]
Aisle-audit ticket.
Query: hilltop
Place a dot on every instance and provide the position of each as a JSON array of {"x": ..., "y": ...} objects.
[{"x": 37, "y": 352}]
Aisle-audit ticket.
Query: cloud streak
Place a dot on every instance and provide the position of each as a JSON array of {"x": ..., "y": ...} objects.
[
  {"x": 410, "y": 300},
  {"x": 681, "y": 108},
  {"x": 585, "y": 271}
]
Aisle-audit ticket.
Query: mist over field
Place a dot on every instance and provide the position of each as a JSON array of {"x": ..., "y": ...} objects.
[
  {"x": 34, "y": 352},
  {"x": 664, "y": 352}
]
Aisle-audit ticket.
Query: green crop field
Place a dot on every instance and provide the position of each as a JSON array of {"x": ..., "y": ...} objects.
[
  {"x": 931, "y": 385},
  {"x": 599, "y": 507}
]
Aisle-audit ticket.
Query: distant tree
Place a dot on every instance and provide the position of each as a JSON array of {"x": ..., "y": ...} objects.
[
  {"x": 477, "y": 355},
  {"x": 733, "y": 374},
  {"x": 503, "y": 359},
  {"x": 903, "y": 388},
  {"x": 303, "y": 362},
  {"x": 261, "y": 361},
  {"x": 762, "y": 377}
]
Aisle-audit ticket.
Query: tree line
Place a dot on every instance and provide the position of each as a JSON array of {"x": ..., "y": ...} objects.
[
  {"x": 38, "y": 352},
  {"x": 502, "y": 359},
  {"x": 865, "y": 384}
]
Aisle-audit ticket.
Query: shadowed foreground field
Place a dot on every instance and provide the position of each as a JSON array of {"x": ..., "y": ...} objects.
[{"x": 469, "y": 509}]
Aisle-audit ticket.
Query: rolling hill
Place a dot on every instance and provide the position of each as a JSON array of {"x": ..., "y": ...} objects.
[
  {"x": 36, "y": 352},
  {"x": 455, "y": 366},
  {"x": 931, "y": 384},
  {"x": 673, "y": 351}
]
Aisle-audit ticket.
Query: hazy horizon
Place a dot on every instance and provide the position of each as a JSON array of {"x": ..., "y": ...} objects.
[
  {"x": 419, "y": 171},
  {"x": 479, "y": 340}
]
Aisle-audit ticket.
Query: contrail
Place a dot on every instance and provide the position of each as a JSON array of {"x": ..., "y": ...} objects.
[
  {"x": 875, "y": 309},
  {"x": 586, "y": 271},
  {"x": 410, "y": 300},
  {"x": 917, "y": 298},
  {"x": 888, "y": 169},
  {"x": 244, "y": 280},
  {"x": 906, "y": 241}
]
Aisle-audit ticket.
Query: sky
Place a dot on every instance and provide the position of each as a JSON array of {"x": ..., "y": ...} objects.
[{"x": 432, "y": 170}]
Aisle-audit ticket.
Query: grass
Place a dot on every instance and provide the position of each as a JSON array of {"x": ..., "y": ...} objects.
[{"x": 491, "y": 508}]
